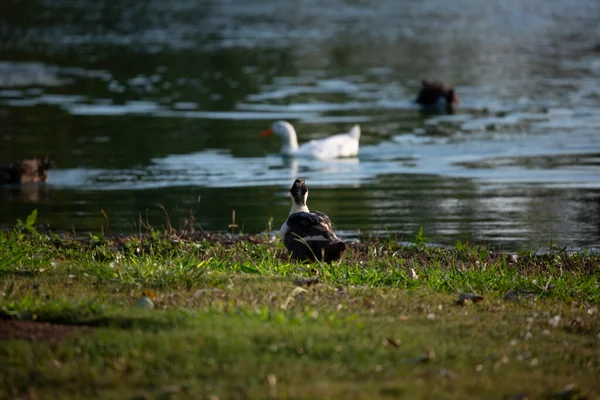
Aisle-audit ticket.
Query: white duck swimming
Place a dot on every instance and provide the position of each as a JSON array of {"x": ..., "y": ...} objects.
[
  {"x": 309, "y": 235},
  {"x": 342, "y": 145}
]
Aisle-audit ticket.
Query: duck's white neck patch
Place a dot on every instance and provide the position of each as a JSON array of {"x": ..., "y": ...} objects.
[{"x": 298, "y": 208}]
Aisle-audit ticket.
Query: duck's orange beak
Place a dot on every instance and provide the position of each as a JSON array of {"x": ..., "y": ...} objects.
[{"x": 268, "y": 132}]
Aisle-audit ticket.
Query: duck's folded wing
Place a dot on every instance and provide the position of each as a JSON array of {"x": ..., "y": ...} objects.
[
  {"x": 310, "y": 237},
  {"x": 309, "y": 227},
  {"x": 323, "y": 219}
]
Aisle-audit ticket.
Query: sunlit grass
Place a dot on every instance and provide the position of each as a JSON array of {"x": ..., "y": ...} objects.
[{"x": 229, "y": 322}]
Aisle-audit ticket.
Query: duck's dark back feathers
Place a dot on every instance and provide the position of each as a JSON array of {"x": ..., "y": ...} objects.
[{"x": 311, "y": 237}]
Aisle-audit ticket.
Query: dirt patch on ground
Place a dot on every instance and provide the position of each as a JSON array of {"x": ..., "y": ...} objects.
[{"x": 39, "y": 331}]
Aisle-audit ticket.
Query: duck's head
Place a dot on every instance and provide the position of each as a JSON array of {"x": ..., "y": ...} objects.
[
  {"x": 279, "y": 128},
  {"x": 442, "y": 89},
  {"x": 286, "y": 131},
  {"x": 35, "y": 169},
  {"x": 299, "y": 192}
]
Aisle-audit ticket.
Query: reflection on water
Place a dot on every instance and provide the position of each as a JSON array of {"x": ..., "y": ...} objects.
[
  {"x": 27, "y": 193},
  {"x": 163, "y": 102}
]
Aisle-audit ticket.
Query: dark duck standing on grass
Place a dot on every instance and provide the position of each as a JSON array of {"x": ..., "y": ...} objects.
[
  {"x": 309, "y": 235},
  {"x": 435, "y": 93}
]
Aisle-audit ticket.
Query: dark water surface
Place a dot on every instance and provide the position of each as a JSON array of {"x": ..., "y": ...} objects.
[{"x": 145, "y": 102}]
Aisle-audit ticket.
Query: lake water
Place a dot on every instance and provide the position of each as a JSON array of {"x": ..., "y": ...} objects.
[{"x": 146, "y": 102}]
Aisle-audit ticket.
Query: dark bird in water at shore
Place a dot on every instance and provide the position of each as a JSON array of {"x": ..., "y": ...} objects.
[
  {"x": 434, "y": 93},
  {"x": 26, "y": 171},
  {"x": 309, "y": 235}
]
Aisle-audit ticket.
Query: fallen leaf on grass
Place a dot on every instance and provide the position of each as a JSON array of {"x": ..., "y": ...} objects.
[
  {"x": 465, "y": 298},
  {"x": 412, "y": 274},
  {"x": 392, "y": 342},
  {"x": 579, "y": 326},
  {"x": 305, "y": 282}
]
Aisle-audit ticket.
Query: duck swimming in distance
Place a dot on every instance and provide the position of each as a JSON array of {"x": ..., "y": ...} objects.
[
  {"x": 309, "y": 235},
  {"x": 342, "y": 145},
  {"x": 31, "y": 170},
  {"x": 434, "y": 92}
]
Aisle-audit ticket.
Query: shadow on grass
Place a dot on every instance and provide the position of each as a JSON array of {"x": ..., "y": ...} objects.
[{"x": 136, "y": 319}]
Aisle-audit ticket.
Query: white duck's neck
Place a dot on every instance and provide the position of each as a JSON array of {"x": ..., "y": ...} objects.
[{"x": 290, "y": 141}]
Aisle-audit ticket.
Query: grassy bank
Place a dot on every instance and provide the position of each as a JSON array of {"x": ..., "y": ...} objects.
[{"x": 233, "y": 318}]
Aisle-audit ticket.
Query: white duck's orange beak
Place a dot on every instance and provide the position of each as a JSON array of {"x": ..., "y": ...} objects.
[{"x": 267, "y": 132}]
